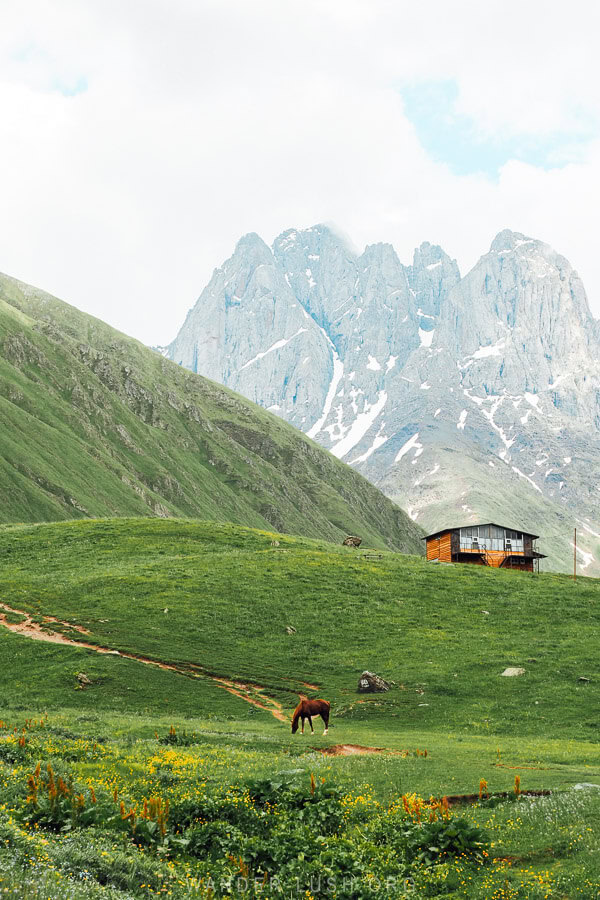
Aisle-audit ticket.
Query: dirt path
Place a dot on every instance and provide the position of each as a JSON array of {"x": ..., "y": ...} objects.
[
  {"x": 251, "y": 693},
  {"x": 351, "y": 750}
]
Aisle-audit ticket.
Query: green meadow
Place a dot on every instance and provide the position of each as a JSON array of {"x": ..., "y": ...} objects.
[{"x": 245, "y": 621}]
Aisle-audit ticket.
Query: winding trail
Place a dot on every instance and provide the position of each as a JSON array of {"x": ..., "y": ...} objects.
[{"x": 251, "y": 693}]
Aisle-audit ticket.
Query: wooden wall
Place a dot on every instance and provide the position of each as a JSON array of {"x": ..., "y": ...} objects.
[{"x": 440, "y": 547}]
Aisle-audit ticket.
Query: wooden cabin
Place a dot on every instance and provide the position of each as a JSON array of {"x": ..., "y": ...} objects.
[{"x": 485, "y": 545}]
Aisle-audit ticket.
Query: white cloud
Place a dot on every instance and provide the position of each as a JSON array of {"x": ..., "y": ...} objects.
[{"x": 202, "y": 121}]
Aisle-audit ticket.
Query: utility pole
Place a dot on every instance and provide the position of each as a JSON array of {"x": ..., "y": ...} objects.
[{"x": 575, "y": 556}]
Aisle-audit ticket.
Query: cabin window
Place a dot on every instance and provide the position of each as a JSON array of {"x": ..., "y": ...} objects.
[
  {"x": 490, "y": 537},
  {"x": 513, "y": 540}
]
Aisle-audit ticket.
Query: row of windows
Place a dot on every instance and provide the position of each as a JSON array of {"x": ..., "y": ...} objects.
[{"x": 490, "y": 531}]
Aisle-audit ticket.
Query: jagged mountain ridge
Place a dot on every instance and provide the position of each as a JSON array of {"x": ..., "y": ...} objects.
[{"x": 462, "y": 398}]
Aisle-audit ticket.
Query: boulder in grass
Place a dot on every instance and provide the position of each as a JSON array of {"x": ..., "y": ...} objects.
[
  {"x": 512, "y": 671},
  {"x": 352, "y": 541},
  {"x": 369, "y": 683}
]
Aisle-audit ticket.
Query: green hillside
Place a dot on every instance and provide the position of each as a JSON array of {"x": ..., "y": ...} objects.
[
  {"x": 92, "y": 423},
  {"x": 209, "y": 632},
  {"x": 445, "y": 633}
]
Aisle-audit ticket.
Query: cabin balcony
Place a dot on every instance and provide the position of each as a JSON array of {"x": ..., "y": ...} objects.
[{"x": 510, "y": 548}]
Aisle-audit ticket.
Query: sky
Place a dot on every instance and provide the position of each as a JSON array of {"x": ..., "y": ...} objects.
[{"x": 140, "y": 140}]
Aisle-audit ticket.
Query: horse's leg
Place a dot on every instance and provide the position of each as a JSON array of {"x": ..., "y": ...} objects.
[
  {"x": 325, "y": 717},
  {"x": 312, "y": 730},
  {"x": 302, "y": 724}
]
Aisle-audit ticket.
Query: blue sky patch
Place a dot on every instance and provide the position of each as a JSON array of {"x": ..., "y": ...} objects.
[
  {"x": 43, "y": 71},
  {"x": 72, "y": 87},
  {"x": 452, "y": 138}
]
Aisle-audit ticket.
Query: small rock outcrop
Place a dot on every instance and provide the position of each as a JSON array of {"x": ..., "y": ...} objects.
[
  {"x": 369, "y": 683},
  {"x": 352, "y": 541},
  {"x": 512, "y": 671}
]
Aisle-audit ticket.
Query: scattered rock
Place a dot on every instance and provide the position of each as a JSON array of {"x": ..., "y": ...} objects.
[
  {"x": 83, "y": 680},
  {"x": 352, "y": 541},
  {"x": 485, "y": 612},
  {"x": 512, "y": 671},
  {"x": 166, "y": 610},
  {"x": 583, "y": 680},
  {"x": 369, "y": 683},
  {"x": 274, "y": 543},
  {"x": 290, "y": 629}
]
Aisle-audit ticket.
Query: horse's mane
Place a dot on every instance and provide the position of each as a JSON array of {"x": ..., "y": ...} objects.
[{"x": 296, "y": 715}]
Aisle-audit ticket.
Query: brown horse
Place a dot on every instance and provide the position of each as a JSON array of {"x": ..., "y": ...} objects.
[{"x": 306, "y": 709}]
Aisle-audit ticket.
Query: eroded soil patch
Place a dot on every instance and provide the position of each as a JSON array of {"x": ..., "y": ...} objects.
[
  {"x": 251, "y": 693},
  {"x": 350, "y": 750}
]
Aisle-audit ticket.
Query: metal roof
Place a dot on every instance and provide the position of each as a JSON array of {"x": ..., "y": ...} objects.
[{"x": 478, "y": 525}]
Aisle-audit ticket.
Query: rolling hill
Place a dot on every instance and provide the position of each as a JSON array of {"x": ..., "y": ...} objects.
[
  {"x": 95, "y": 424},
  {"x": 173, "y": 653},
  {"x": 217, "y": 601}
]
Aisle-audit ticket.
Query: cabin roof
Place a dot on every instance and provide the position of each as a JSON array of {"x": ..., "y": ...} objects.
[{"x": 478, "y": 525}]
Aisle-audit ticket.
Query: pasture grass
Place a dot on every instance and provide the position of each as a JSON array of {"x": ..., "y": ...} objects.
[{"x": 443, "y": 635}]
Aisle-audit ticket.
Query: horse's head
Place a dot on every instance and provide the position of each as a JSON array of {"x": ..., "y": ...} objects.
[{"x": 295, "y": 725}]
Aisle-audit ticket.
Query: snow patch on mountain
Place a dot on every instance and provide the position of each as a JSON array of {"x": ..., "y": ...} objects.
[
  {"x": 360, "y": 426},
  {"x": 378, "y": 441},
  {"x": 426, "y": 337},
  {"x": 278, "y": 345},
  {"x": 411, "y": 444},
  {"x": 338, "y": 374}
]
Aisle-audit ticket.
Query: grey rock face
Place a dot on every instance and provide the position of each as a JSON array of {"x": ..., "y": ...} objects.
[{"x": 464, "y": 399}]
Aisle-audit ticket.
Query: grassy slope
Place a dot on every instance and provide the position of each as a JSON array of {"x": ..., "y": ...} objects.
[
  {"x": 95, "y": 424},
  {"x": 230, "y": 594},
  {"x": 444, "y": 634}
]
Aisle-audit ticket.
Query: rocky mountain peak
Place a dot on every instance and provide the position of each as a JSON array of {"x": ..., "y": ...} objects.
[
  {"x": 432, "y": 276},
  {"x": 442, "y": 390},
  {"x": 429, "y": 254},
  {"x": 250, "y": 242},
  {"x": 510, "y": 240}
]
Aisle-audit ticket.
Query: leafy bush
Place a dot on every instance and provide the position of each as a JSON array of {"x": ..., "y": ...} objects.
[
  {"x": 318, "y": 805},
  {"x": 215, "y": 840},
  {"x": 430, "y": 842}
]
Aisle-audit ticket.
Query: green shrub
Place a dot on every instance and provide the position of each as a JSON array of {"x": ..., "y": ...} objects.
[{"x": 429, "y": 842}]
